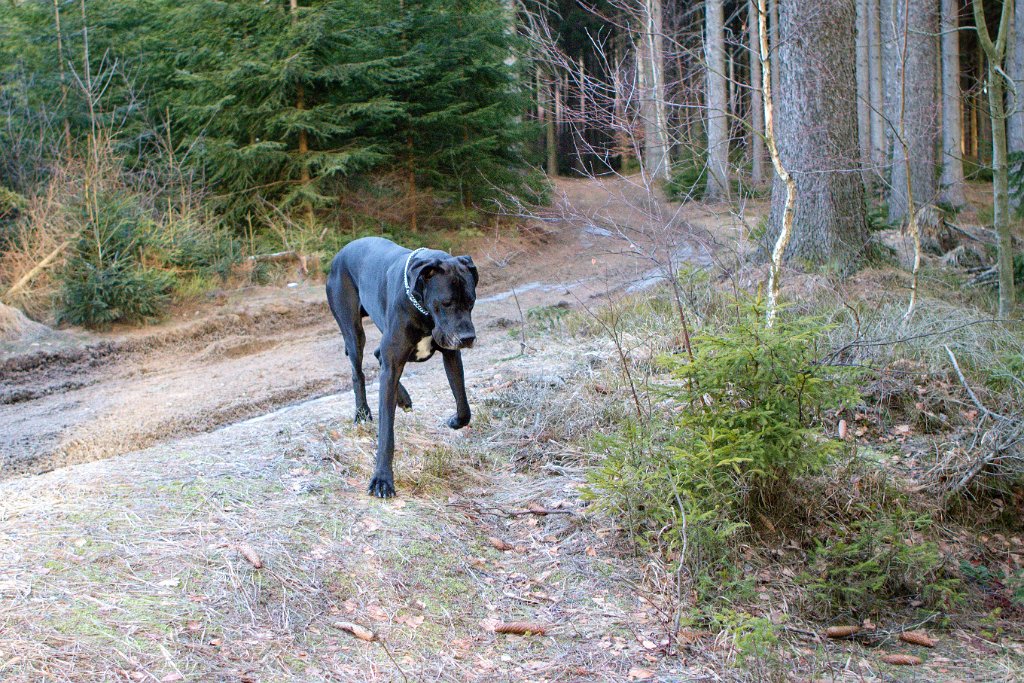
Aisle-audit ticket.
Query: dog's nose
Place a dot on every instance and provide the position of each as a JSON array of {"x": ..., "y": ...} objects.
[{"x": 467, "y": 339}]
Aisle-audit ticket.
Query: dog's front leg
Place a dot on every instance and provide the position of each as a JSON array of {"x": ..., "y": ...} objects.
[
  {"x": 382, "y": 484},
  {"x": 457, "y": 381}
]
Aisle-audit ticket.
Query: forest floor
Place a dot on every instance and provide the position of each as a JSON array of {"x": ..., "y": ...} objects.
[{"x": 146, "y": 472}]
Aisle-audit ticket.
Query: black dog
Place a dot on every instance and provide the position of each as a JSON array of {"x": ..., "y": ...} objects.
[{"x": 422, "y": 301}]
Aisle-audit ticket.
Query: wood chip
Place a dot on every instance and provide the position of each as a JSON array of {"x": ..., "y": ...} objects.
[
  {"x": 247, "y": 551},
  {"x": 499, "y": 544},
  {"x": 522, "y": 628},
  {"x": 360, "y": 632},
  {"x": 917, "y": 638},
  {"x": 841, "y": 631},
  {"x": 902, "y": 660}
]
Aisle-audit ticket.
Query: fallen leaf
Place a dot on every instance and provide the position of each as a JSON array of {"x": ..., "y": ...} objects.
[
  {"x": 917, "y": 638},
  {"x": 360, "y": 632},
  {"x": 537, "y": 509},
  {"x": 171, "y": 678},
  {"x": 902, "y": 660},
  {"x": 522, "y": 628},
  {"x": 638, "y": 674}
]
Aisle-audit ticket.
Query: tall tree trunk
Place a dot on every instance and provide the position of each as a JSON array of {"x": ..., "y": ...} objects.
[
  {"x": 915, "y": 112},
  {"x": 863, "y": 85},
  {"x": 717, "y": 115},
  {"x": 300, "y": 105},
  {"x": 756, "y": 98},
  {"x": 816, "y": 131},
  {"x": 1015, "y": 124},
  {"x": 996, "y": 52},
  {"x": 879, "y": 152},
  {"x": 952, "y": 181},
  {"x": 656, "y": 161},
  {"x": 1015, "y": 54},
  {"x": 547, "y": 96}
]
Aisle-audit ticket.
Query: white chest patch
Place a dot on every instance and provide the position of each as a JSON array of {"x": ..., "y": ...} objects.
[{"x": 424, "y": 348}]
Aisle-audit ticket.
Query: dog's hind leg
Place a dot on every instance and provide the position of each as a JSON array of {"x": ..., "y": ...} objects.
[
  {"x": 347, "y": 311},
  {"x": 404, "y": 400}
]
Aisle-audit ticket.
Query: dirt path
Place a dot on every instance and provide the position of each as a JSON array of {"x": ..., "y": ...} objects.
[
  {"x": 233, "y": 431},
  {"x": 262, "y": 348}
]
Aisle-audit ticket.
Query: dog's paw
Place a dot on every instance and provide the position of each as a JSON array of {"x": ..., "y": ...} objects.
[
  {"x": 404, "y": 401},
  {"x": 458, "y": 421},
  {"x": 363, "y": 415},
  {"x": 382, "y": 487}
]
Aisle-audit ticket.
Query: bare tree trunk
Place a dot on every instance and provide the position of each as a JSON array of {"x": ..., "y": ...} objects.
[
  {"x": 789, "y": 204},
  {"x": 816, "y": 133},
  {"x": 863, "y": 85},
  {"x": 550, "y": 130},
  {"x": 952, "y": 181},
  {"x": 651, "y": 65},
  {"x": 1015, "y": 124},
  {"x": 300, "y": 104},
  {"x": 757, "y": 131},
  {"x": 996, "y": 52},
  {"x": 879, "y": 152},
  {"x": 717, "y": 115},
  {"x": 915, "y": 112}
]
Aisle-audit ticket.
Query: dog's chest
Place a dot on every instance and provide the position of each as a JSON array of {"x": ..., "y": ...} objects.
[{"x": 424, "y": 349}]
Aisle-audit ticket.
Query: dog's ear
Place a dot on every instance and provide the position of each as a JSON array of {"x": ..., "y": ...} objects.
[
  {"x": 468, "y": 262},
  {"x": 422, "y": 270}
]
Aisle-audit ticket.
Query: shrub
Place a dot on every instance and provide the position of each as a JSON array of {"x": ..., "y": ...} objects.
[
  {"x": 124, "y": 266},
  {"x": 863, "y": 566},
  {"x": 745, "y": 411}
]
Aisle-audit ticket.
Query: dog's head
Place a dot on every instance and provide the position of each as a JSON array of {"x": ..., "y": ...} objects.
[{"x": 446, "y": 287}]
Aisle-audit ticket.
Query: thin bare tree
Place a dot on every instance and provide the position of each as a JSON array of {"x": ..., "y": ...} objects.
[{"x": 995, "y": 53}]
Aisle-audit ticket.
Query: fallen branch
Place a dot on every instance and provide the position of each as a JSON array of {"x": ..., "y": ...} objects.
[
  {"x": 970, "y": 392},
  {"x": 38, "y": 268},
  {"x": 535, "y": 509},
  {"x": 276, "y": 257}
]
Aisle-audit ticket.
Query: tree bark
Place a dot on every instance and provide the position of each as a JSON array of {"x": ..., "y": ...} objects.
[
  {"x": 717, "y": 115},
  {"x": 756, "y": 99},
  {"x": 952, "y": 181},
  {"x": 915, "y": 112},
  {"x": 863, "y": 85},
  {"x": 816, "y": 132},
  {"x": 879, "y": 152},
  {"x": 656, "y": 161},
  {"x": 1015, "y": 123},
  {"x": 996, "y": 52}
]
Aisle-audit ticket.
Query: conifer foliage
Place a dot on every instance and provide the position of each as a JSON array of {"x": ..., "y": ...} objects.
[{"x": 295, "y": 102}]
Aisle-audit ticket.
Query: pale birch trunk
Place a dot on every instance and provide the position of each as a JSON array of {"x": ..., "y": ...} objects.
[
  {"x": 716, "y": 89},
  {"x": 952, "y": 181}
]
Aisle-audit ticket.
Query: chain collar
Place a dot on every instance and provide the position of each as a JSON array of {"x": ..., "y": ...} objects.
[{"x": 408, "y": 289}]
